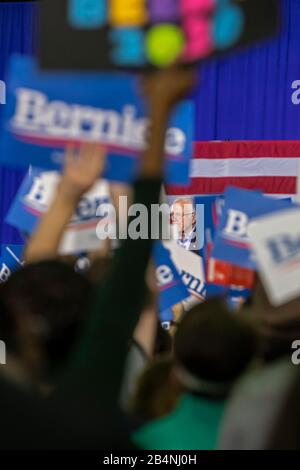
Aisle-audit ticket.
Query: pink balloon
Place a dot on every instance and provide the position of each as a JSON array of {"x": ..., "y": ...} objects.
[
  {"x": 194, "y": 6},
  {"x": 198, "y": 31}
]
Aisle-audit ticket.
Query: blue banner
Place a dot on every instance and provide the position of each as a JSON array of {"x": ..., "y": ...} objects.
[
  {"x": 171, "y": 287},
  {"x": 231, "y": 242},
  {"x": 35, "y": 196},
  {"x": 46, "y": 112},
  {"x": 22, "y": 214}
]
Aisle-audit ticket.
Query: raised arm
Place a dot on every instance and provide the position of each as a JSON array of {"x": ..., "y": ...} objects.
[
  {"x": 119, "y": 302},
  {"x": 82, "y": 169}
]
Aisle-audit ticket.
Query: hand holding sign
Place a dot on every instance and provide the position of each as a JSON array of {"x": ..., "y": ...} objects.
[
  {"x": 81, "y": 173},
  {"x": 47, "y": 112},
  {"x": 36, "y": 195}
]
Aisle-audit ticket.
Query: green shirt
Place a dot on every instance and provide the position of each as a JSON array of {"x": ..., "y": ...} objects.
[{"x": 193, "y": 425}]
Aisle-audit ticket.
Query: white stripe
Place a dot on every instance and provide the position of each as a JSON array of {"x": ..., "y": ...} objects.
[
  {"x": 14, "y": 256},
  {"x": 220, "y": 168}
]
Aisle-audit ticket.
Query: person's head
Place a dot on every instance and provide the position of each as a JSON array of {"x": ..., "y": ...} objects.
[
  {"x": 183, "y": 215},
  {"x": 157, "y": 390},
  {"x": 43, "y": 306},
  {"x": 212, "y": 348},
  {"x": 278, "y": 327}
]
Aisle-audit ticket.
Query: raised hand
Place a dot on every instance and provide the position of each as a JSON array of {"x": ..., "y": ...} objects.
[{"x": 82, "y": 169}]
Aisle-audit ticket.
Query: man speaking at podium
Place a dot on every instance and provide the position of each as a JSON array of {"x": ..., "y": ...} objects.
[{"x": 183, "y": 218}]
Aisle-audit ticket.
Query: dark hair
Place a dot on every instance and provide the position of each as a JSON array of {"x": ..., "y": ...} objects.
[
  {"x": 213, "y": 344},
  {"x": 278, "y": 326},
  {"x": 55, "y": 297},
  {"x": 157, "y": 390}
]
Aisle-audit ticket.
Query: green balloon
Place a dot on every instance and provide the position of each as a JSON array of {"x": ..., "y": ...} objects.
[{"x": 164, "y": 44}]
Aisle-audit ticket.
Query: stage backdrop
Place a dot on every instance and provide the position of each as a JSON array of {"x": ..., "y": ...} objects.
[
  {"x": 17, "y": 25},
  {"x": 253, "y": 95},
  {"x": 249, "y": 96}
]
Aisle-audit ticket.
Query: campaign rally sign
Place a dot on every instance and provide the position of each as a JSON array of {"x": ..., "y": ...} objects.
[
  {"x": 46, "y": 112},
  {"x": 221, "y": 273},
  {"x": 10, "y": 261},
  {"x": 191, "y": 268},
  {"x": 171, "y": 288},
  {"x": 34, "y": 198},
  {"x": 97, "y": 34},
  {"x": 231, "y": 242},
  {"x": 276, "y": 243},
  {"x": 207, "y": 212}
]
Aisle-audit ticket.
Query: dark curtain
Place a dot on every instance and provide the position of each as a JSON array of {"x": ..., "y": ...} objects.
[{"x": 17, "y": 30}]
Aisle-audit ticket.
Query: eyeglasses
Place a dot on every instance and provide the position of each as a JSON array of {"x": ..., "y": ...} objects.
[{"x": 180, "y": 216}]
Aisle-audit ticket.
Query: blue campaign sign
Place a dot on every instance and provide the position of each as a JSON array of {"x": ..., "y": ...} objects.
[
  {"x": 25, "y": 211},
  {"x": 171, "y": 287},
  {"x": 231, "y": 242},
  {"x": 212, "y": 210},
  {"x": 45, "y": 112},
  {"x": 166, "y": 316},
  {"x": 11, "y": 260},
  {"x": 36, "y": 194}
]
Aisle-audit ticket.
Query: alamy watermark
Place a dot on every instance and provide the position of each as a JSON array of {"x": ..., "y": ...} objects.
[
  {"x": 182, "y": 221},
  {"x": 2, "y": 353},
  {"x": 296, "y": 354}
]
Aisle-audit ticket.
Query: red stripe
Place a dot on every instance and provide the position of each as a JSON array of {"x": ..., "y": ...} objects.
[
  {"x": 169, "y": 286},
  {"x": 64, "y": 142},
  {"x": 266, "y": 184},
  {"x": 83, "y": 225},
  {"x": 32, "y": 210},
  {"x": 244, "y": 245},
  {"x": 248, "y": 149}
]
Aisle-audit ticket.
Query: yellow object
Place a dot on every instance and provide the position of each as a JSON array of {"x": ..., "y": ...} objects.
[
  {"x": 128, "y": 13},
  {"x": 164, "y": 44}
]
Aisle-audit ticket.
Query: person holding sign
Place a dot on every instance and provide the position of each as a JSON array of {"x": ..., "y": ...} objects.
[
  {"x": 117, "y": 307},
  {"x": 88, "y": 391},
  {"x": 82, "y": 170}
]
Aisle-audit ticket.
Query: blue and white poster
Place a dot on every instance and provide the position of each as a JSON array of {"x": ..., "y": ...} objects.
[
  {"x": 46, "y": 112},
  {"x": 171, "y": 288},
  {"x": 231, "y": 242},
  {"x": 34, "y": 198},
  {"x": 276, "y": 243}
]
